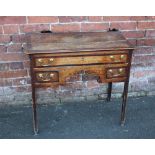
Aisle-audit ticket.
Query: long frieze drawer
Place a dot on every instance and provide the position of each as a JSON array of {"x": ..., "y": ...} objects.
[
  {"x": 47, "y": 76},
  {"x": 116, "y": 72},
  {"x": 56, "y": 61}
]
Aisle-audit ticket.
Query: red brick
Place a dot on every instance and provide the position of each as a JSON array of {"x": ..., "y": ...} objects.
[
  {"x": 29, "y": 72},
  {"x": 133, "y": 42},
  {"x": 88, "y": 77},
  {"x": 3, "y": 49},
  {"x": 14, "y": 48},
  {"x": 95, "y": 18},
  {"x": 16, "y": 65},
  {"x": 143, "y": 64},
  {"x": 137, "y": 86},
  {"x": 5, "y": 82},
  {"x": 19, "y": 81},
  {"x": 28, "y": 80},
  {"x": 150, "y": 33},
  {"x": 92, "y": 84},
  {"x": 144, "y": 59},
  {"x": 124, "y": 25},
  {"x": 66, "y": 19},
  {"x": 4, "y": 66},
  {"x": 75, "y": 85},
  {"x": 4, "y": 38},
  {"x": 73, "y": 78},
  {"x": 146, "y": 25},
  {"x": 133, "y": 34},
  {"x": 146, "y": 42},
  {"x": 144, "y": 50},
  {"x": 137, "y": 18},
  {"x": 19, "y": 38},
  {"x": 12, "y": 19},
  {"x": 13, "y": 57},
  {"x": 10, "y": 29},
  {"x": 150, "y": 17},
  {"x": 66, "y": 28},
  {"x": 139, "y": 74},
  {"x": 151, "y": 79},
  {"x": 23, "y": 89},
  {"x": 1, "y": 30},
  {"x": 13, "y": 74},
  {"x": 116, "y": 18},
  {"x": 26, "y": 64},
  {"x": 87, "y": 27},
  {"x": 42, "y": 19},
  {"x": 34, "y": 28}
]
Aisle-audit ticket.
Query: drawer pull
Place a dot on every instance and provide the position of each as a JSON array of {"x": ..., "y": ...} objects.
[
  {"x": 111, "y": 57},
  {"x": 40, "y": 60},
  {"x": 110, "y": 70},
  {"x": 41, "y": 75},
  {"x": 122, "y": 56},
  {"x": 116, "y": 72},
  {"x": 47, "y": 76},
  {"x": 120, "y": 70},
  {"x": 51, "y": 59},
  {"x": 51, "y": 75}
]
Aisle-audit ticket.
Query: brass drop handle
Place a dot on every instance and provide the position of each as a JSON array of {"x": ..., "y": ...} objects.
[
  {"x": 40, "y": 60},
  {"x": 111, "y": 57},
  {"x": 51, "y": 59},
  {"x": 41, "y": 75},
  {"x": 122, "y": 56},
  {"x": 120, "y": 70},
  {"x": 51, "y": 75},
  {"x": 110, "y": 70}
]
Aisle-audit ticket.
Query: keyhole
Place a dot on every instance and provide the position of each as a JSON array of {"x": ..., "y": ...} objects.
[{"x": 82, "y": 58}]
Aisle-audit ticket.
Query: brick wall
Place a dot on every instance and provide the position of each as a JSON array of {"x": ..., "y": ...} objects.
[{"x": 15, "y": 85}]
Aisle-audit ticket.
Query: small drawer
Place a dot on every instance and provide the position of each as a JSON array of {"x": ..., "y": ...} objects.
[
  {"x": 116, "y": 72},
  {"x": 47, "y": 76},
  {"x": 118, "y": 58},
  {"x": 44, "y": 62},
  {"x": 80, "y": 60}
]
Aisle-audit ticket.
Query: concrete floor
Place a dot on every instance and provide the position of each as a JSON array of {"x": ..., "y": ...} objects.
[{"x": 81, "y": 120}]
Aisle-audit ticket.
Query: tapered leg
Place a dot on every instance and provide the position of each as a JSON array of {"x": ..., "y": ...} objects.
[
  {"x": 109, "y": 91},
  {"x": 124, "y": 102},
  {"x": 35, "y": 122}
]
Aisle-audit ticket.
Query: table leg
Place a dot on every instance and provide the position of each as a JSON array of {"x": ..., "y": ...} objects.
[
  {"x": 35, "y": 122},
  {"x": 124, "y": 102},
  {"x": 109, "y": 91}
]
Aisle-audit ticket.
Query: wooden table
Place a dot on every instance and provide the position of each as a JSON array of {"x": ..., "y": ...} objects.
[{"x": 56, "y": 56}]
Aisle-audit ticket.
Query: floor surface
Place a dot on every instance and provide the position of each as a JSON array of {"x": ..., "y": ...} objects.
[{"x": 83, "y": 120}]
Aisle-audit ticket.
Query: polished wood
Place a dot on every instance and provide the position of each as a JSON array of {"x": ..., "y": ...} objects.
[
  {"x": 47, "y": 76},
  {"x": 78, "y": 60},
  {"x": 116, "y": 72},
  {"x": 75, "y": 42},
  {"x": 125, "y": 92},
  {"x": 35, "y": 121},
  {"x": 56, "y": 56}
]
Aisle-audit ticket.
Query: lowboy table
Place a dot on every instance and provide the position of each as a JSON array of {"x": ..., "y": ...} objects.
[{"x": 56, "y": 56}]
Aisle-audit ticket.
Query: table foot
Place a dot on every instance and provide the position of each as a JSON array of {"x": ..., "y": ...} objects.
[
  {"x": 35, "y": 132},
  {"x": 122, "y": 123}
]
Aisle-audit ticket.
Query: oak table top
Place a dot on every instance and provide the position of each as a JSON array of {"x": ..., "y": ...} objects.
[{"x": 75, "y": 42}]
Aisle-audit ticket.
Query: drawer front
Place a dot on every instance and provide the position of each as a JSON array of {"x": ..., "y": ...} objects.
[
  {"x": 56, "y": 61},
  {"x": 46, "y": 76},
  {"x": 116, "y": 72}
]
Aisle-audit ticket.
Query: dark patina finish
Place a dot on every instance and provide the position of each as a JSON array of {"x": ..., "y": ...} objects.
[{"x": 56, "y": 56}]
